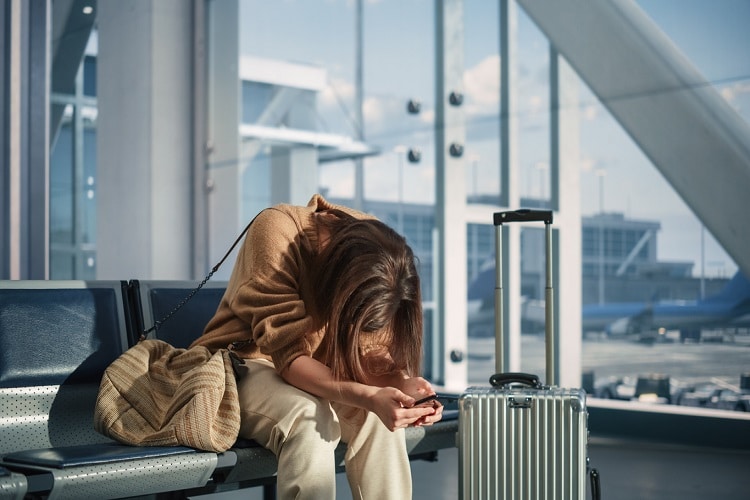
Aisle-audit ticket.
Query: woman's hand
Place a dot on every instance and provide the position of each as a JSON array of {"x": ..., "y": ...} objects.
[
  {"x": 396, "y": 409},
  {"x": 393, "y": 405},
  {"x": 419, "y": 388},
  {"x": 416, "y": 387},
  {"x": 435, "y": 416}
]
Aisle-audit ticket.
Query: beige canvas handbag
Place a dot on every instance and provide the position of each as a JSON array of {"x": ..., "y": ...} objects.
[{"x": 158, "y": 395}]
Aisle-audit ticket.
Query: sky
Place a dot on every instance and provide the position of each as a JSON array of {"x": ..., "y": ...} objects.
[{"x": 399, "y": 65}]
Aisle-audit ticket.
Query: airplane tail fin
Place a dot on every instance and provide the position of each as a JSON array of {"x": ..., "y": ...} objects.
[{"x": 735, "y": 292}]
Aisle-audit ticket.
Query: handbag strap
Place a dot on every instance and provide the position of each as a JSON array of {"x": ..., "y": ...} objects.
[{"x": 166, "y": 317}]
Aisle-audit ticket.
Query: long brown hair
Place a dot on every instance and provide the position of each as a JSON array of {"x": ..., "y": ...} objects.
[{"x": 366, "y": 284}]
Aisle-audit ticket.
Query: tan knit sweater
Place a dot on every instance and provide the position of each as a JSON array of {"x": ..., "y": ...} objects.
[{"x": 268, "y": 300}]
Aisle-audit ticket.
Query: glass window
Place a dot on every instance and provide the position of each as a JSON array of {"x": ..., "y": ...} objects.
[
  {"x": 533, "y": 113},
  {"x": 639, "y": 241},
  {"x": 482, "y": 101},
  {"x": 72, "y": 178},
  {"x": 88, "y": 229},
  {"x": 62, "y": 180},
  {"x": 398, "y": 67},
  {"x": 255, "y": 99},
  {"x": 670, "y": 330},
  {"x": 89, "y": 76}
]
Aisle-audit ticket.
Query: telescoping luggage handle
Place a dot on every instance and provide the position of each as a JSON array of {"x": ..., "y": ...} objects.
[
  {"x": 528, "y": 379},
  {"x": 502, "y": 378},
  {"x": 524, "y": 215}
]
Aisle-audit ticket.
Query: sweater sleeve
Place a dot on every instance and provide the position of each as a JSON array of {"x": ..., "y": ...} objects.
[{"x": 269, "y": 298}]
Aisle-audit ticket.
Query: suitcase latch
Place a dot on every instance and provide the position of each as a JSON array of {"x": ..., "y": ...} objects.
[{"x": 514, "y": 403}]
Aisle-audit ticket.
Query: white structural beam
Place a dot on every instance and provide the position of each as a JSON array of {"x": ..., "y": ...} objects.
[
  {"x": 289, "y": 80},
  {"x": 510, "y": 173},
  {"x": 647, "y": 236},
  {"x": 199, "y": 237},
  {"x": 565, "y": 159},
  {"x": 294, "y": 171},
  {"x": 145, "y": 140},
  {"x": 281, "y": 73},
  {"x": 450, "y": 217},
  {"x": 267, "y": 123},
  {"x": 691, "y": 135},
  {"x": 225, "y": 219},
  {"x": 25, "y": 38},
  {"x": 303, "y": 137}
]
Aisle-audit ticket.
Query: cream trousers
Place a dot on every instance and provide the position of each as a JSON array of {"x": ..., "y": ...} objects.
[{"x": 303, "y": 431}]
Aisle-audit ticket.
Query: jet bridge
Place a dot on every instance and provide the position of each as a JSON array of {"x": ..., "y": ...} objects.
[{"x": 687, "y": 130}]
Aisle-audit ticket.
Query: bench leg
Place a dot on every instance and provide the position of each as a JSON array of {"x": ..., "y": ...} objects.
[{"x": 269, "y": 491}]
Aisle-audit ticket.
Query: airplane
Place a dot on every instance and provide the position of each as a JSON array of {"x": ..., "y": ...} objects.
[
  {"x": 481, "y": 301},
  {"x": 729, "y": 308}
]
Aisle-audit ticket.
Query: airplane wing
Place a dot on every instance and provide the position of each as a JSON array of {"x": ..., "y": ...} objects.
[{"x": 724, "y": 309}]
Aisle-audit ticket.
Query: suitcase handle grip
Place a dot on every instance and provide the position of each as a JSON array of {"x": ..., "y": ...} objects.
[
  {"x": 523, "y": 215},
  {"x": 503, "y": 379}
]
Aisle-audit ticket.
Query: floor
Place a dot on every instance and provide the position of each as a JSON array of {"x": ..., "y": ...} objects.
[{"x": 628, "y": 471}]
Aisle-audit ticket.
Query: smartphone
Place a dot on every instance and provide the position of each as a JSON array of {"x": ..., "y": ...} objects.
[{"x": 442, "y": 399}]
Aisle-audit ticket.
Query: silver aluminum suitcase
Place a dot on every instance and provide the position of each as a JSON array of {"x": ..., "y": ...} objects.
[{"x": 519, "y": 439}]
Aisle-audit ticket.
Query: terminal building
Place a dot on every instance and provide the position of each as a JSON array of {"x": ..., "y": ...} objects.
[{"x": 138, "y": 138}]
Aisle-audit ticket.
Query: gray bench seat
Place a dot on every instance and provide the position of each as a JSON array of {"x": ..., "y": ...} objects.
[
  {"x": 56, "y": 340},
  {"x": 13, "y": 486}
]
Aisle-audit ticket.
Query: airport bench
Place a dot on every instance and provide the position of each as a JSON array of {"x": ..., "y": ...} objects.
[
  {"x": 56, "y": 339},
  {"x": 153, "y": 300},
  {"x": 12, "y": 486}
]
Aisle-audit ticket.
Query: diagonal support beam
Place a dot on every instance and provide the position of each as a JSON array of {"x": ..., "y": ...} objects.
[
  {"x": 272, "y": 115},
  {"x": 71, "y": 28},
  {"x": 690, "y": 134},
  {"x": 647, "y": 236}
]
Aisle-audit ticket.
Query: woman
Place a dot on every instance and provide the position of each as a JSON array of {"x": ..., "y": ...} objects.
[{"x": 325, "y": 303}]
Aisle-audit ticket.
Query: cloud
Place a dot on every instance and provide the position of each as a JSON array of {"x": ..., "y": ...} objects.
[
  {"x": 588, "y": 164},
  {"x": 380, "y": 112},
  {"x": 337, "y": 179},
  {"x": 427, "y": 117},
  {"x": 482, "y": 86},
  {"x": 335, "y": 108},
  {"x": 337, "y": 90},
  {"x": 481, "y": 90},
  {"x": 735, "y": 92},
  {"x": 376, "y": 110},
  {"x": 590, "y": 112},
  {"x": 537, "y": 104}
]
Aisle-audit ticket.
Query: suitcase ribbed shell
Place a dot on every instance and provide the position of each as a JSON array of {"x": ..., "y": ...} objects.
[{"x": 523, "y": 443}]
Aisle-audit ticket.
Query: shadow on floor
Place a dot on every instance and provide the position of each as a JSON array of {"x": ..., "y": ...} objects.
[{"x": 629, "y": 470}]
